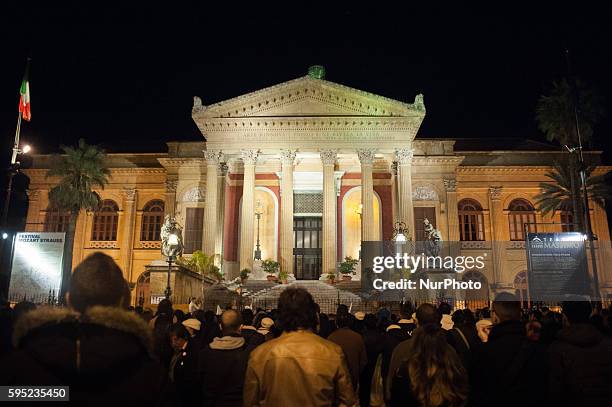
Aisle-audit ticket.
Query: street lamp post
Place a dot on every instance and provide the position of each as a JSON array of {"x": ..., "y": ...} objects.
[
  {"x": 359, "y": 211},
  {"x": 258, "y": 213},
  {"x": 172, "y": 247}
]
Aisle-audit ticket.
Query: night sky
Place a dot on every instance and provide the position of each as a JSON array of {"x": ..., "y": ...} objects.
[{"x": 124, "y": 76}]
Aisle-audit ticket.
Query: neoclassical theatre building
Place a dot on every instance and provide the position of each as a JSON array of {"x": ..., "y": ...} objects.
[{"x": 308, "y": 169}]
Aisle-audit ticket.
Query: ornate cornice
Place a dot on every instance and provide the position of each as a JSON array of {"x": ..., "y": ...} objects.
[
  {"x": 404, "y": 155},
  {"x": 287, "y": 156},
  {"x": 348, "y": 98},
  {"x": 366, "y": 155},
  {"x": 328, "y": 156},
  {"x": 249, "y": 157}
]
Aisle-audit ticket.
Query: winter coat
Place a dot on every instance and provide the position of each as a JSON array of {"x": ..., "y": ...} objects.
[
  {"x": 104, "y": 355},
  {"x": 509, "y": 370},
  {"x": 581, "y": 367},
  {"x": 354, "y": 351},
  {"x": 184, "y": 389},
  {"x": 222, "y": 369},
  {"x": 252, "y": 337},
  {"x": 298, "y": 369},
  {"x": 391, "y": 339}
]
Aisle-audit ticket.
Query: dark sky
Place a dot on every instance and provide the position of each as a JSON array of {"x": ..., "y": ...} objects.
[{"x": 124, "y": 76}]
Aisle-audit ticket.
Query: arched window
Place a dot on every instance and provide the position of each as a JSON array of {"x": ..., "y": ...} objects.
[
  {"x": 105, "y": 221},
  {"x": 152, "y": 220},
  {"x": 56, "y": 220},
  {"x": 521, "y": 216},
  {"x": 471, "y": 225},
  {"x": 567, "y": 221}
]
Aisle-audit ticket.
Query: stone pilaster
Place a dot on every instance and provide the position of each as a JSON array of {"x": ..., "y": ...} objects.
[
  {"x": 210, "y": 210},
  {"x": 452, "y": 211},
  {"x": 170, "y": 201},
  {"x": 286, "y": 232},
  {"x": 406, "y": 210},
  {"x": 247, "y": 233},
  {"x": 366, "y": 158},
  {"x": 33, "y": 211},
  {"x": 220, "y": 210},
  {"x": 129, "y": 225},
  {"x": 328, "y": 159},
  {"x": 496, "y": 214}
]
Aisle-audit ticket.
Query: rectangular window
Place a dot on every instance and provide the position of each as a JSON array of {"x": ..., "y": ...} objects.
[{"x": 194, "y": 218}]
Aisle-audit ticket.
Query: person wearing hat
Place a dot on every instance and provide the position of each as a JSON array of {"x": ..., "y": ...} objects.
[
  {"x": 264, "y": 328},
  {"x": 194, "y": 328}
]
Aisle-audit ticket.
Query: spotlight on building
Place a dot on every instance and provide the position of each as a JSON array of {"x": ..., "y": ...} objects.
[{"x": 4, "y": 235}]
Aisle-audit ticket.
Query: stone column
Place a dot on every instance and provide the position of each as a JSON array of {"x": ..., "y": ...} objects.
[
  {"x": 406, "y": 210},
  {"x": 34, "y": 211},
  {"x": 170, "y": 201},
  {"x": 366, "y": 158},
  {"x": 220, "y": 211},
  {"x": 210, "y": 210},
  {"x": 496, "y": 215},
  {"x": 129, "y": 225},
  {"x": 247, "y": 233},
  {"x": 328, "y": 158},
  {"x": 452, "y": 211},
  {"x": 286, "y": 232}
]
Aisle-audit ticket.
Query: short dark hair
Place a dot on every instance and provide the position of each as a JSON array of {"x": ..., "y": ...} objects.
[
  {"x": 427, "y": 314},
  {"x": 343, "y": 317},
  {"x": 444, "y": 308},
  {"x": 296, "y": 309},
  {"x": 507, "y": 307},
  {"x": 247, "y": 316},
  {"x": 577, "y": 312},
  {"x": 179, "y": 331},
  {"x": 407, "y": 310},
  {"x": 97, "y": 280}
]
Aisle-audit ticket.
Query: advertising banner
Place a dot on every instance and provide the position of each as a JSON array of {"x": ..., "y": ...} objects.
[
  {"x": 557, "y": 266},
  {"x": 36, "y": 271}
]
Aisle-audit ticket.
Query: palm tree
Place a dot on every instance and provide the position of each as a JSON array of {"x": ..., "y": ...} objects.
[
  {"x": 558, "y": 196},
  {"x": 80, "y": 169},
  {"x": 556, "y": 117}
]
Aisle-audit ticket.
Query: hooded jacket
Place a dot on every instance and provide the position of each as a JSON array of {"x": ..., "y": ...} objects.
[
  {"x": 222, "y": 368},
  {"x": 581, "y": 367},
  {"x": 104, "y": 355}
]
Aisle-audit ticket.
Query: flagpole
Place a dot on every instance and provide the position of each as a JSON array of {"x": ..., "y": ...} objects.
[{"x": 12, "y": 170}]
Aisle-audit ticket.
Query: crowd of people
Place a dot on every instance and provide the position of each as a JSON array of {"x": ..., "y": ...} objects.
[{"x": 295, "y": 355}]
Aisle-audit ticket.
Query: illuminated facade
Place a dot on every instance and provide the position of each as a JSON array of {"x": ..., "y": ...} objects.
[{"x": 325, "y": 166}]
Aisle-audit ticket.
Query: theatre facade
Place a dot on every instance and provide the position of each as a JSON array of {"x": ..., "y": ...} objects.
[{"x": 302, "y": 172}]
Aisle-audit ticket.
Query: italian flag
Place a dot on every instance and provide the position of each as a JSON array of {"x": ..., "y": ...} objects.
[{"x": 24, "y": 100}]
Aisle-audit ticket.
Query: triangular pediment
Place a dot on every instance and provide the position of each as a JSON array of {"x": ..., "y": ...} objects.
[{"x": 308, "y": 97}]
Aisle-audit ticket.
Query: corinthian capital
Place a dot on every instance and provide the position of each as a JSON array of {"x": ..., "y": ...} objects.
[
  {"x": 249, "y": 156},
  {"x": 287, "y": 156},
  {"x": 366, "y": 155},
  {"x": 213, "y": 157},
  {"x": 404, "y": 155},
  {"x": 495, "y": 193},
  {"x": 171, "y": 185},
  {"x": 450, "y": 185},
  {"x": 328, "y": 157},
  {"x": 129, "y": 194}
]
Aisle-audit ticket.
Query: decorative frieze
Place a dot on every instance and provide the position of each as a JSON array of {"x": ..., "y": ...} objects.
[
  {"x": 195, "y": 194},
  {"x": 424, "y": 193}
]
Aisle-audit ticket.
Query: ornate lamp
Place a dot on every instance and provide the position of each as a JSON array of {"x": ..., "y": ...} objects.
[
  {"x": 258, "y": 213},
  {"x": 172, "y": 246},
  {"x": 400, "y": 233}
]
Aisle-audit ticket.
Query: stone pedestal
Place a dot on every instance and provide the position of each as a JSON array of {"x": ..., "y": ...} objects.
[{"x": 183, "y": 282}]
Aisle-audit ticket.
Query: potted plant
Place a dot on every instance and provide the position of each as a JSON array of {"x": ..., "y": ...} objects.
[
  {"x": 347, "y": 268},
  {"x": 331, "y": 278},
  {"x": 282, "y": 276},
  {"x": 271, "y": 268},
  {"x": 244, "y": 274}
]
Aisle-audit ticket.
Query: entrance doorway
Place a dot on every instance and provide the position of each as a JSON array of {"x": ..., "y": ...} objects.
[{"x": 307, "y": 252}]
